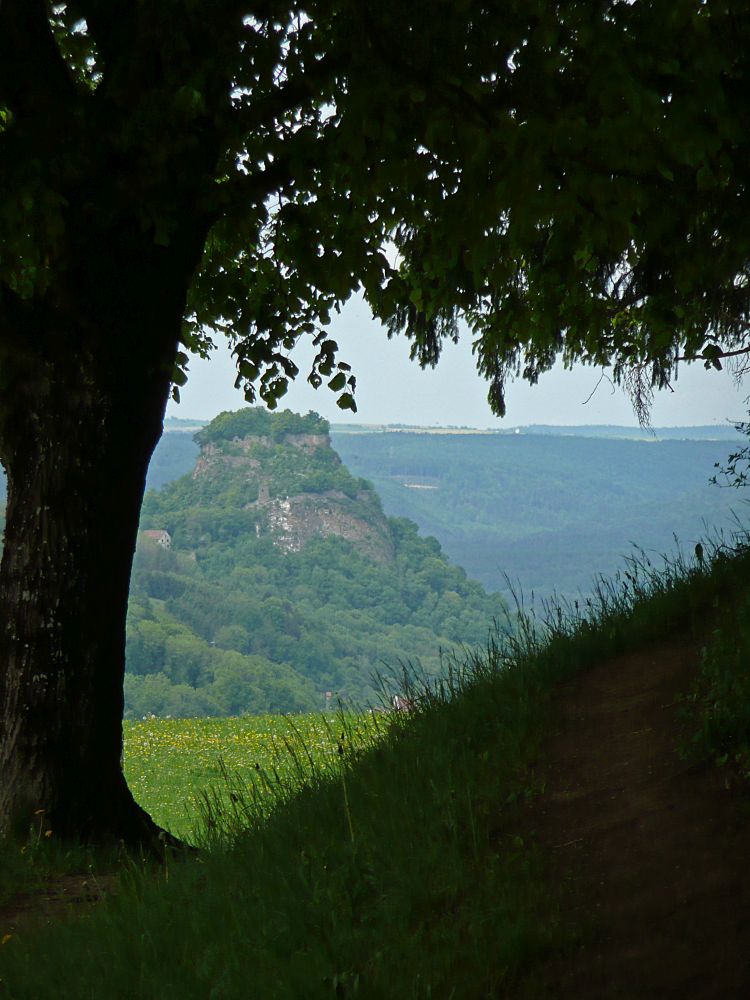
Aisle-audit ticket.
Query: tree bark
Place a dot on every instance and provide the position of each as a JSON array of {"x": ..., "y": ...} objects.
[
  {"x": 76, "y": 465},
  {"x": 90, "y": 319},
  {"x": 76, "y": 435}
]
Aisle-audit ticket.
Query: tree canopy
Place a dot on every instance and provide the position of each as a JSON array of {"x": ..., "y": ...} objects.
[
  {"x": 569, "y": 177},
  {"x": 593, "y": 206}
]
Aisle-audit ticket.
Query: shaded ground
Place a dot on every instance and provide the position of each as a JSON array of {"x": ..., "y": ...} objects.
[
  {"x": 654, "y": 855},
  {"x": 58, "y": 898}
]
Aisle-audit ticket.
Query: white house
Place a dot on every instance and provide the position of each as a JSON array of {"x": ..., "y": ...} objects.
[{"x": 159, "y": 536}]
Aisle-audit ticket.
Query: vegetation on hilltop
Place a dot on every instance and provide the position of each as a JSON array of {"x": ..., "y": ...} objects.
[
  {"x": 256, "y": 421},
  {"x": 551, "y": 511}
]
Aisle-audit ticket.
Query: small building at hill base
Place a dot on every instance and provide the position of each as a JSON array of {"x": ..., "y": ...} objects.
[{"x": 158, "y": 535}]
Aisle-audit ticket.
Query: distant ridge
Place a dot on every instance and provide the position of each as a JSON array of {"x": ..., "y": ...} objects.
[
  {"x": 696, "y": 432},
  {"x": 549, "y": 505},
  {"x": 268, "y": 579},
  {"x": 705, "y": 432},
  {"x": 700, "y": 432}
]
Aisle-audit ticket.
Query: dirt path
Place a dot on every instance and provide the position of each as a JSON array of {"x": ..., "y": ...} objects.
[{"x": 655, "y": 855}]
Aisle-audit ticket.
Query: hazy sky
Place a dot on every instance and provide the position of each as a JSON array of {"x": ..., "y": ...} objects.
[{"x": 392, "y": 389}]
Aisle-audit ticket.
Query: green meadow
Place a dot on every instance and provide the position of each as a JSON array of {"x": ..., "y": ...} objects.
[{"x": 176, "y": 766}]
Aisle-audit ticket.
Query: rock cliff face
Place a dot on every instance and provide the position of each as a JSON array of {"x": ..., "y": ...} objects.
[
  {"x": 295, "y": 520},
  {"x": 299, "y": 489}
]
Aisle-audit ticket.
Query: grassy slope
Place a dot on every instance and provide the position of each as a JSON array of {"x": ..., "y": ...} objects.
[{"x": 404, "y": 875}]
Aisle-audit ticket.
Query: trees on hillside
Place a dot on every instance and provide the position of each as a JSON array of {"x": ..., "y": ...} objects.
[{"x": 571, "y": 177}]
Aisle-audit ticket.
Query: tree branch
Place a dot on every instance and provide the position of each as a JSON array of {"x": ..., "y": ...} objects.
[
  {"x": 33, "y": 74},
  {"x": 720, "y": 354},
  {"x": 243, "y": 189},
  {"x": 291, "y": 95}
]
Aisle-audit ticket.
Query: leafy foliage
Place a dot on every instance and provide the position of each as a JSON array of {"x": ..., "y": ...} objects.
[
  {"x": 611, "y": 226},
  {"x": 544, "y": 170}
]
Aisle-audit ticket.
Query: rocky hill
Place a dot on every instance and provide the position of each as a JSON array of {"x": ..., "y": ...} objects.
[
  {"x": 269, "y": 579},
  {"x": 290, "y": 481}
]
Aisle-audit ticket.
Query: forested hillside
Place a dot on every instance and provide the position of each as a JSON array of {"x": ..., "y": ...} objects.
[
  {"x": 550, "y": 511},
  {"x": 282, "y": 580}
]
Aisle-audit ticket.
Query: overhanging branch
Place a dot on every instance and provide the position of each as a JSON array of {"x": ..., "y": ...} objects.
[
  {"x": 289, "y": 96},
  {"x": 33, "y": 74},
  {"x": 718, "y": 355},
  {"x": 253, "y": 188}
]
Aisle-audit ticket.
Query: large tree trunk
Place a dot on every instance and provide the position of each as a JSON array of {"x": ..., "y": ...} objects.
[
  {"x": 76, "y": 461},
  {"x": 92, "y": 297}
]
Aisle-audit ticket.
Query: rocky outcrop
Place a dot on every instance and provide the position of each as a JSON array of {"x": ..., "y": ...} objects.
[
  {"x": 299, "y": 490},
  {"x": 308, "y": 442},
  {"x": 293, "y": 521}
]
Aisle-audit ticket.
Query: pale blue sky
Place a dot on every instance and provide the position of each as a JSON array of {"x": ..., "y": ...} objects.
[{"x": 391, "y": 389}]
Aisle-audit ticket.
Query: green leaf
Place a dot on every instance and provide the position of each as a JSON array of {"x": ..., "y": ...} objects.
[
  {"x": 346, "y": 402},
  {"x": 337, "y": 382}
]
